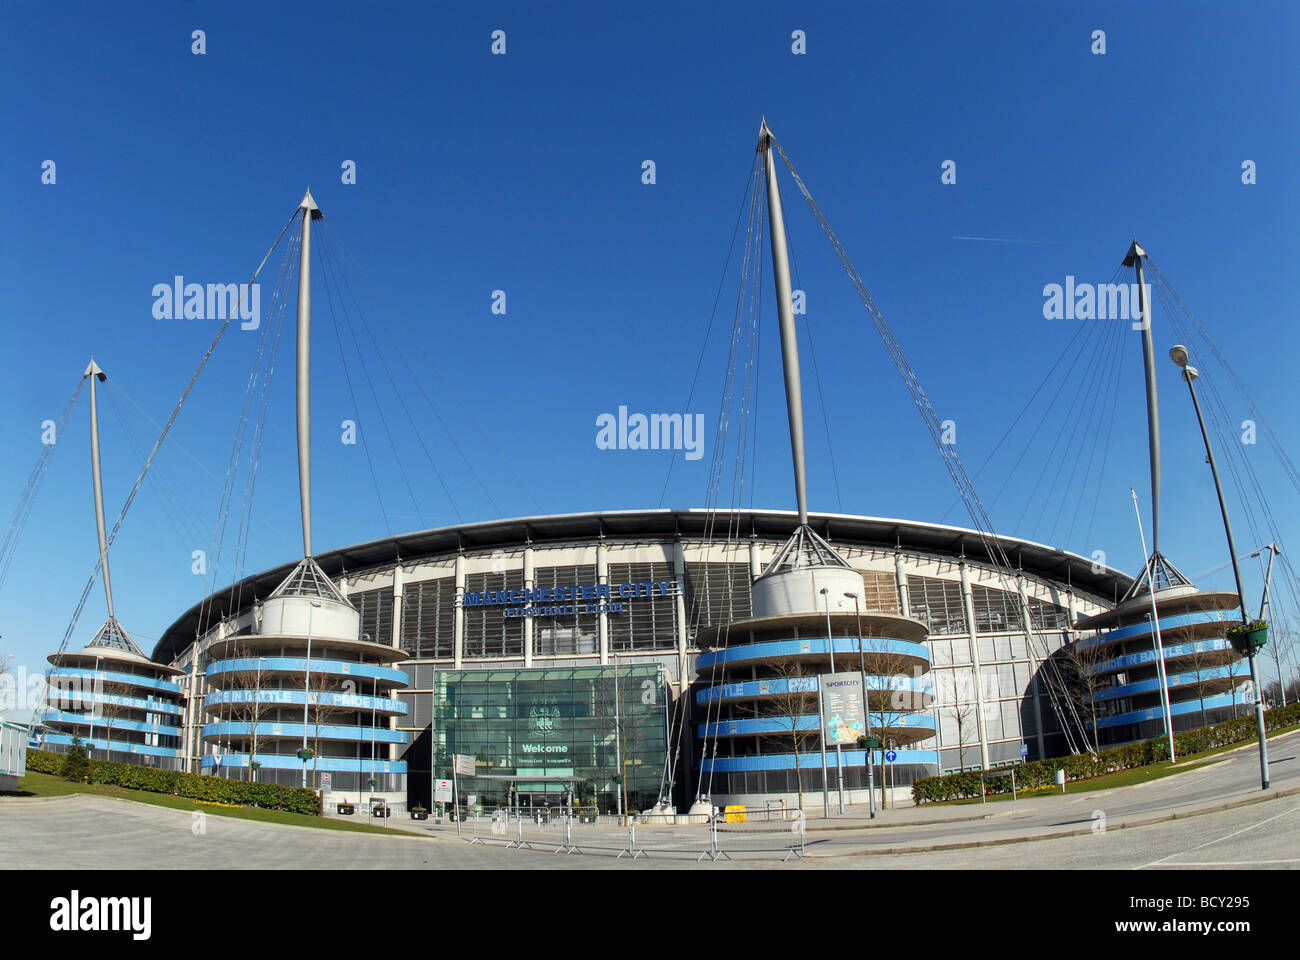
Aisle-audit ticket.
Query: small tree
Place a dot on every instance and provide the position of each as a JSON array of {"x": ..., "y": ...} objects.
[
  {"x": 959, "y": 705},
  {"x": 323, "y": 714},
  {"x": 793, "y": 700},
  {"x": 254, "y": 710},
  {"x": 1203, "y": 660},
  {"x": 889, "y": 706},
  {"x": 76, "y": 765},
  {"x": 1084, "y": 683},
  {"x": 615, "y": 702}
]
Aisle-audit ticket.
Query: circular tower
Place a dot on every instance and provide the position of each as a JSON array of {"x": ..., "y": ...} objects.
[
  {"x": 120, "y": 704},
  {"x": 303, "y": 699},
  {"x": 761, "y": 703}
]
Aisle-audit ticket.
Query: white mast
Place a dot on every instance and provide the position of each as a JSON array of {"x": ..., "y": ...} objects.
[
  {"x": 1134, "y": 259},
  {"x": 310, "y": 212},
  {"x": 111, "y": 634},
  {"x": 96, "y": 374},
  {"x": 789, "y": 336},
  {"x": 1160, "y": 573}
]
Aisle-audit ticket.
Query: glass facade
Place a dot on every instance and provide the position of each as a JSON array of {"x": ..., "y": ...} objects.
[{"x": 537, "y": 735}]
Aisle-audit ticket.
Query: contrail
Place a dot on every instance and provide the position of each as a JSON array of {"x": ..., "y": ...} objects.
[{"x": 1067, "y": 243}]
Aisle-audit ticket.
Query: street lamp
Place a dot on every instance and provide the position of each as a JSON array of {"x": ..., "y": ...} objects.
[
  {"x": 304, "y": 753},
  {"x": 1179, "y": 355},
  {"x": 839, "y": 754},
  {"x": 866, "y": 707},
  {"x": 257, "y": 717}
]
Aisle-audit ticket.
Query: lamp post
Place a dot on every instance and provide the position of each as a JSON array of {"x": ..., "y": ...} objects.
[
  {"x": 866, "y": 707},
  {"x": 374, "y": 703},
  {"x": 1154, "y": 617},
  {"x": 839, "y": 753},
  {"x": 1263, "y": 609},
  {"x": 1179, "y": 355},
  {"x": 305, "y": 754},
  {"x": 257, "y": 717}
]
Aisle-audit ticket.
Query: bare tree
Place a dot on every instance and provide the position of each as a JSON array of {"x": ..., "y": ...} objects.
[
  {"x": 248, "y": 704},
  {"x": 1083, "y": 682},
  {"x": 616, "y": 699},
  {"x": 793, "y": 698},
  {"x": 320, "y": 688},
  {"x": 1204, "y": 660},
  {"x": 960, "y": 706},
  {"x": 887, "y": 708}
]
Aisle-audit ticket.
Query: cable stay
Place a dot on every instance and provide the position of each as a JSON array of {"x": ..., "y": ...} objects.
[
  {"x": 135, "y": 489},
  {"x": 27, "y": 499},
  {"x": 410, "y": 346},
  {"x": 733, "y": 454},
  {"x": 1065, "y": 711},
  {"x": 1253, "y": 503},
  {"x": 241, "y": 469}
]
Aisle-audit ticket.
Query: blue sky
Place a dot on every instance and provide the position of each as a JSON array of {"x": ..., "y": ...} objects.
[{"x": 523, "y": 173}]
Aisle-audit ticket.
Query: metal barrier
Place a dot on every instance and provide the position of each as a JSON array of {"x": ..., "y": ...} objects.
[{"x": 781, "y": 837}]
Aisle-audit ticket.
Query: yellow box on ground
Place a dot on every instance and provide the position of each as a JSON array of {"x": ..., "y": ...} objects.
[{"x": 734, "y": 814}]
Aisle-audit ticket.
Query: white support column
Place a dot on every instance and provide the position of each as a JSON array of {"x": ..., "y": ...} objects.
[
  {"x": 679, "y": 611},
  {"x": 399, "y": 595},
  {"x": 458, "y": 628},
  {"x": 968, "y": 602},
  {"x": 755, "y": 560},
  {"x": 900, "y": 578},
  {"x": 602, "y": 619},
  {"x": 528, "y": 621},
  {"x": 1034, "y": 662},
  {"x": 191, "y": 711}
]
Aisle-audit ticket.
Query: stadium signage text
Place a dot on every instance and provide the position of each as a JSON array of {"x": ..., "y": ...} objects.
[{"x": 573, "y": 600}]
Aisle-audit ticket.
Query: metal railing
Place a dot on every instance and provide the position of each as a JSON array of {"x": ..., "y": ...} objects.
[{"x": 780, "y": 836}]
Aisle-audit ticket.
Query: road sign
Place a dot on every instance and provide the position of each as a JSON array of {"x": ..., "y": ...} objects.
[
  {"x": 891, "y": 756},
  {"x": 1024, "y": 749},
  {"x": 325, "y": 781},
  {"x": 442, "y": 792},
  {"x": 464, "y": 764}
]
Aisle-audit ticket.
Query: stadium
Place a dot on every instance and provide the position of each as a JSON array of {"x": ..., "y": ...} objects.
[
  {"x": 655, "y": 659},
  {"x": 684, "y": 631}
]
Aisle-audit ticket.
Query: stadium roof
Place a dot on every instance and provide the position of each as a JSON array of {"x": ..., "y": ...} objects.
[{"x": 1035, "y": 558}]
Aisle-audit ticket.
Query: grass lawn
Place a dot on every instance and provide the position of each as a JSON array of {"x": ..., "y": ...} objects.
[
  {"x": 1125, "y": 778},
  {"x": 48, "y": 785}
]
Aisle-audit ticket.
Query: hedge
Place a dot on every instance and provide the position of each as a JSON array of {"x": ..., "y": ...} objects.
[
  {"x": 1084, "y": 766},
  {"x": 196, "y": 786}
]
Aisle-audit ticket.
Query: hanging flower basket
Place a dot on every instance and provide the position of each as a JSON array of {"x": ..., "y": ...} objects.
[{"x": 1246, "y": 638}]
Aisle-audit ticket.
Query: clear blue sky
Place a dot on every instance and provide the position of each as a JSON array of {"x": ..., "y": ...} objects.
[{"x": 523, "y": 173}]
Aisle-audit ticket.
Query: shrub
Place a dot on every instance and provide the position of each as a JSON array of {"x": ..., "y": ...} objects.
[
  {"x": 194, "y": 786},
  {"x": 1084, "y": 766}
]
